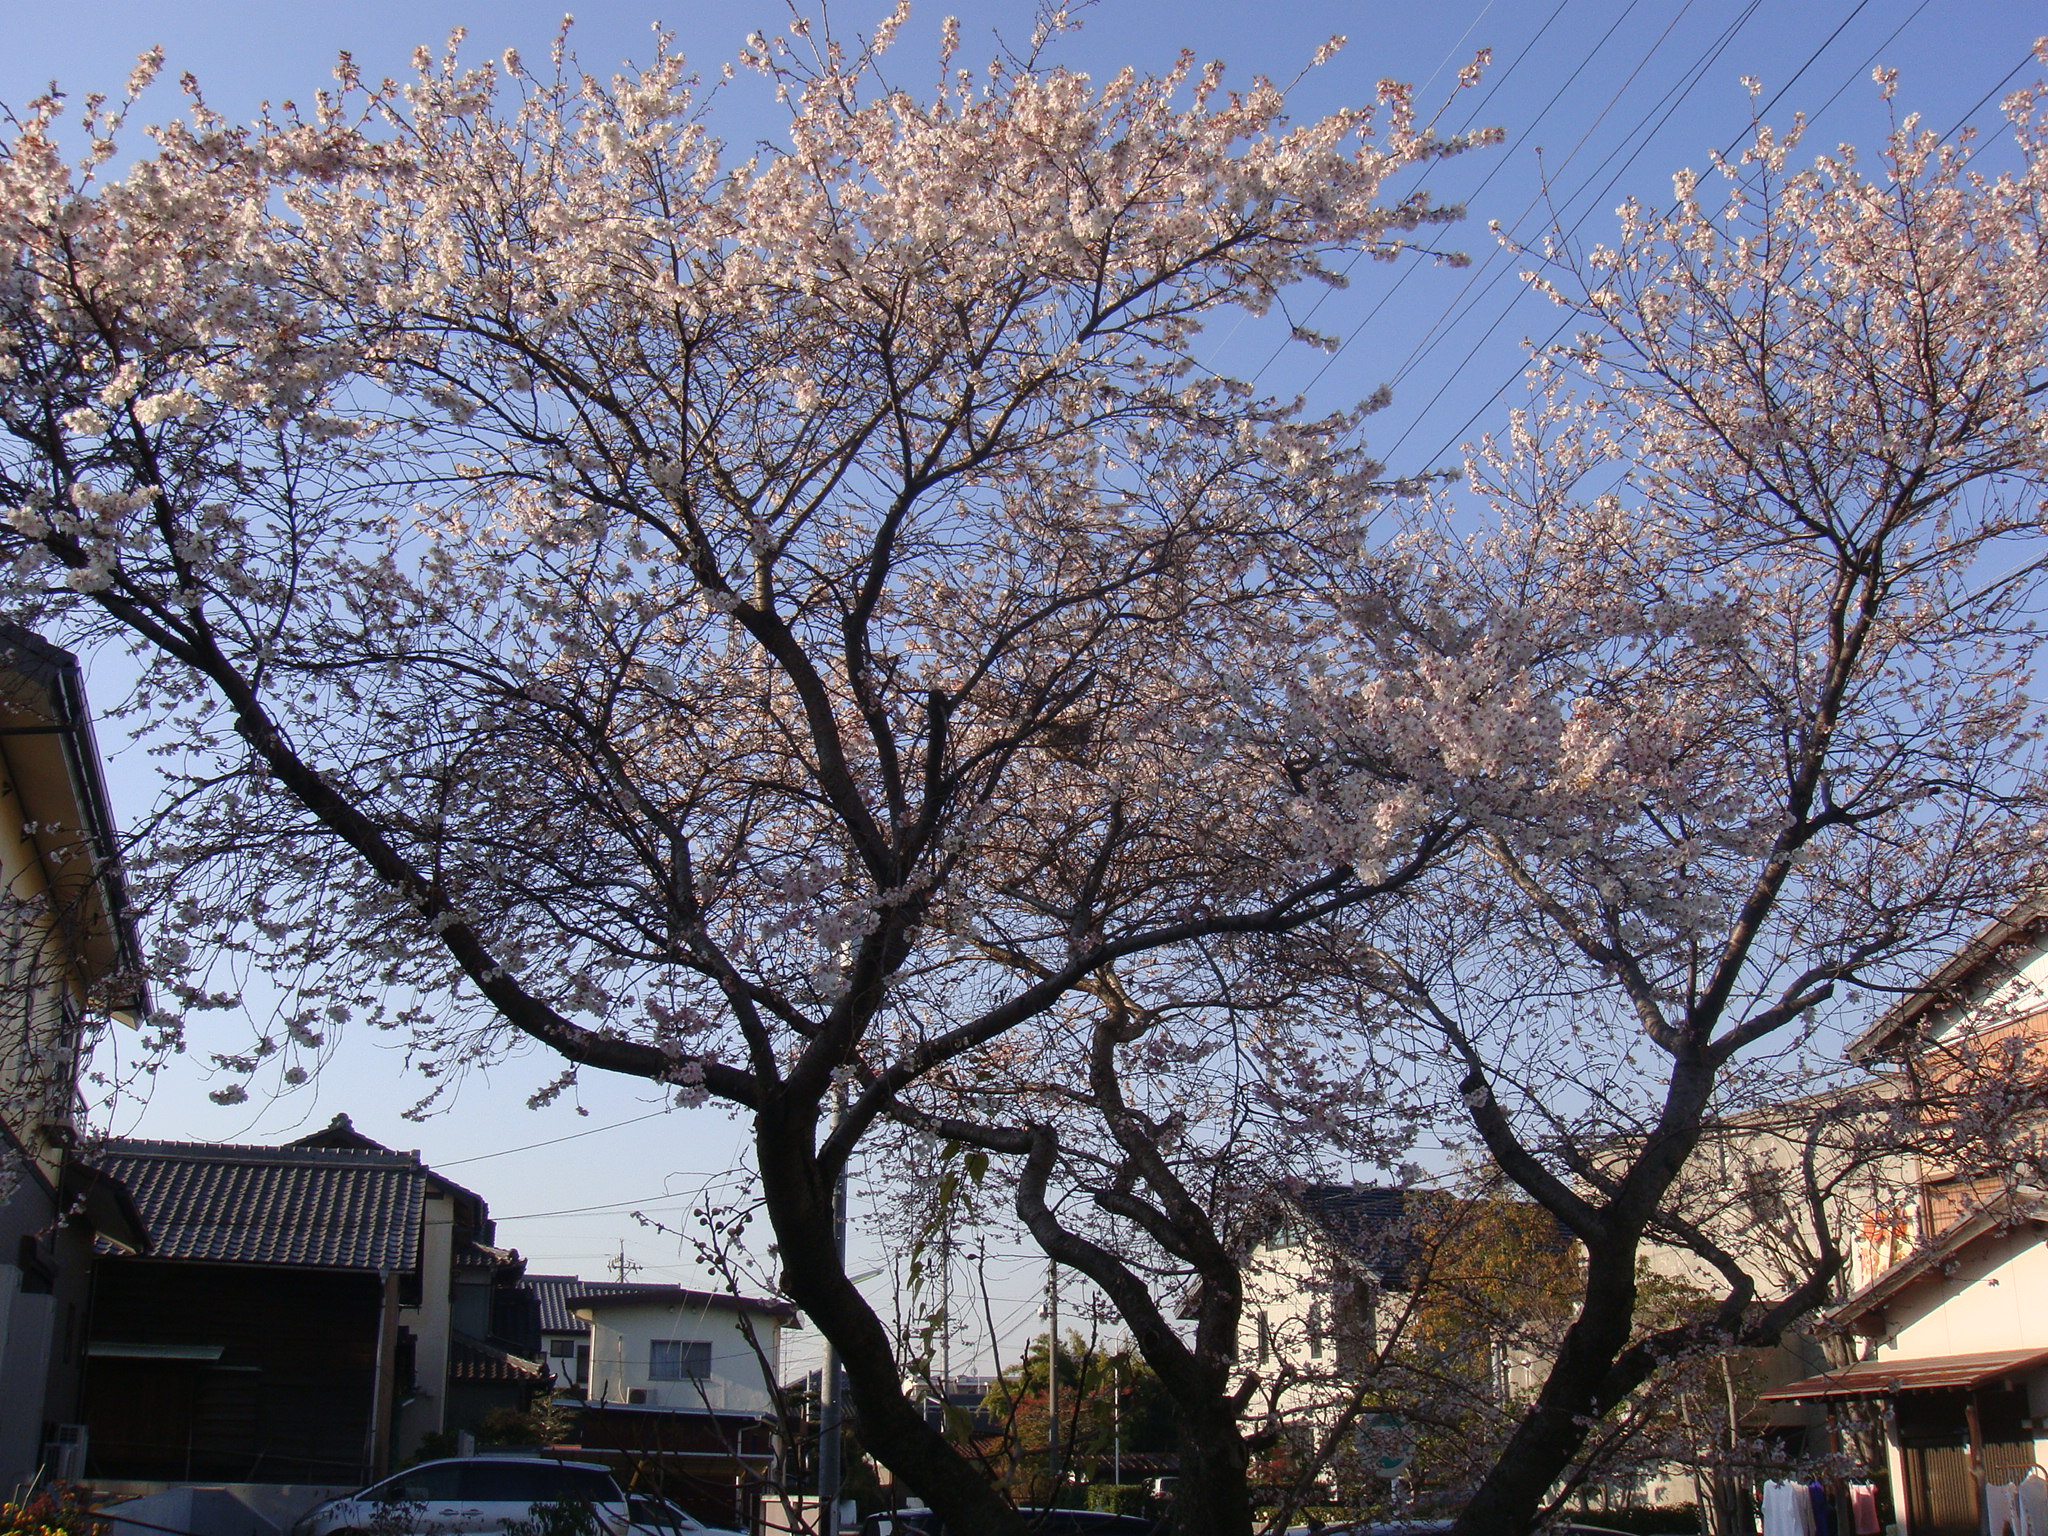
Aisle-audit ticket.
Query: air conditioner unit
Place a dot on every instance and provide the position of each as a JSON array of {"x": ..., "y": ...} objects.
[
  {"x": 64, "y": 1453},
  {"x": 636, "y": 1394}
]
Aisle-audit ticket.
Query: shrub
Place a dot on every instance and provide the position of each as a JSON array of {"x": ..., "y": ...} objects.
[
  {"x": 1118, "y": 1498},
  {"x": 58, "y": 1510}
]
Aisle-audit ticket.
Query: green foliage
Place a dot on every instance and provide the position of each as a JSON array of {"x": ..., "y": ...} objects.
[
  {"x": 433, "y": 1446},
  {"x": 1119, "y": 1499},
  {"x": 1104, "y": 1397},
  {"x": 549, "y": 1422}
]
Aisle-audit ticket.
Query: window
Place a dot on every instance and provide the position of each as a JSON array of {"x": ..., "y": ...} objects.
[
  {"x": 679, "y": 1360},
  {"x": 432, "y": 1484},
  {"x": 562, "y": 1349},
  {"x": 526, "y": 1482}
]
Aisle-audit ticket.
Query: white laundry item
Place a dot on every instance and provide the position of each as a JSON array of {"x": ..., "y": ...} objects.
[
  {"x": 2034, "y": 1503},
  {"x": 1787, "y": 1510},
  {"x": 2002, "y": 1510}
]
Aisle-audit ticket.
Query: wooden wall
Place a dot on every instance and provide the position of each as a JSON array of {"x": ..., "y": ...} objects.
[{"x": 289, "y": 1400}]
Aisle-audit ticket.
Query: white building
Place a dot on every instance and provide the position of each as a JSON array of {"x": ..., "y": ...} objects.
[
  {"x": 1954, "y": 1329},
  {"x": 564, "y": 1336},
  {"x": 1386, "y": 1299},
  {"x": 671, "y": 1348}
]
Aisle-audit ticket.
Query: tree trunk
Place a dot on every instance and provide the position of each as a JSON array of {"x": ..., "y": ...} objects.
[
  {"x": 1212, "y": 1496},
  {"x": 892, "y": 1428},
  {"x": 1574, "y": 1396}
]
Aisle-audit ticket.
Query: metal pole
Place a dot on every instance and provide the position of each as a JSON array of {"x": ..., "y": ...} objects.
[
  {"x": 829, "y": 1385},
  {"x": 1052, "y": 1380},
  {"x": 1116, "y": 1423},
  {"x": 945, "y": 1311}
]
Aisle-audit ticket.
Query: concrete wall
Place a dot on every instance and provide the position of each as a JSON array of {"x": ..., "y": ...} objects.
[{"x": 427, "y": 1412}]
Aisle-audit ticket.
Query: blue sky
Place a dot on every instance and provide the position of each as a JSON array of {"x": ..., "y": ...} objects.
[{"x": 1598, "y": 99}]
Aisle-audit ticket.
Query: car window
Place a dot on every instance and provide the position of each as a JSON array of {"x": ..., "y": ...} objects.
[
  {"x": 526, "y": 1482},
  {"x": 661, "y": 1514},
  {"x": 431, "y": 1484},
  {"x": 585, "y": 1483}
]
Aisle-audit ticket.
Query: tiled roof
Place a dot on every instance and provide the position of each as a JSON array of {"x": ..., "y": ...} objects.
[
  {"x": 471, "y": 1360},
  {"x": 552, "y": 1293},
  {"x": 475, "y": 1255},
  {"x": 341, "y": 1133},
  {"x": 1372, "y": 1222},
  {"x": 311, "y": 1207},
  {"x": 613, "y": 1295}
]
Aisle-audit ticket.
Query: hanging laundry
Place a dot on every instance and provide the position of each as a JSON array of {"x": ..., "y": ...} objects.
[
  {"x": 2034, "y": 1503},
  {"x": 2002, "y": 1510},
  {"x": 1788, "y": 1510},
  {"x": 1863, "y": 1509},
  {"x": 1823, "y": 1508}
]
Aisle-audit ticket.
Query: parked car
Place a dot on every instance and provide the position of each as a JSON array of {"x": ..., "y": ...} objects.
[
  {"x": 470, "y": 1495},
  {"x": 1044, "y": 1522},
  {"x": 1429, "y": 1528},
  {"x": 650, "y": 1516}
]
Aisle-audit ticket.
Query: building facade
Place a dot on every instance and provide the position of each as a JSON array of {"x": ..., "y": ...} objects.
[
  {"x": 1947, "y": 1320},
  {"x": 310, "y": 1313},
  {"x": 67, "y": 956},
  {"x": 668, "y": 1347}
]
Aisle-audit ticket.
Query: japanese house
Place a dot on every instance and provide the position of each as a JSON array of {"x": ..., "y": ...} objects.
[{"x": 67, "y": 955}]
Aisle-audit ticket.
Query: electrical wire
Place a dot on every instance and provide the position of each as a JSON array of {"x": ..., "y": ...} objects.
[
  {"x": 1464, "y": 125},
  {"x": 556, "y": 1141},
  {"x": 1461, "y": 306},
  {"x": 1565, "y": 324},
  {"x": 1643, "y": 131}
]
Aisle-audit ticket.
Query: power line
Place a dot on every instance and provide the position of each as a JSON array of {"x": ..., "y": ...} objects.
[
  {"x": 1460, "y": 306},
  {"x": 1498, "y": 80},
  {"x": 590, "y": 1210},
  {"x": 1459, "y": 309},
  {"x": 1565, "y": 324},
  {"x": 1643, "y": 131},
  {"x": 556, "y": 1141}
]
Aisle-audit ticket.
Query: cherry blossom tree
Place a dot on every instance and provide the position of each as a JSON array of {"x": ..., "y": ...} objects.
[
  {"x": 1732, "y": 693},
  {"x": 1141, "y": 1132},
  {"x": 689, "y": 613}
]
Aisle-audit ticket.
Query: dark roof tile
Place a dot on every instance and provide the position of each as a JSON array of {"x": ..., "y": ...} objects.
[
  {"x": 471, "y": 1360},
  {"x": 553, "y": 1292},
  {"x": 311, "y": 1207}
]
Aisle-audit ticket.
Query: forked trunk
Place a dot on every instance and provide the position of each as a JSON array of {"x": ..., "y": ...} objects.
[
  {"x": 1554, "y": 1430},
  {"x": 892, "y": 1429}
]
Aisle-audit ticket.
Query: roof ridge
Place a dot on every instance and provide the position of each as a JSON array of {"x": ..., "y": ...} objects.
[{"x": 246, "y": 1151}]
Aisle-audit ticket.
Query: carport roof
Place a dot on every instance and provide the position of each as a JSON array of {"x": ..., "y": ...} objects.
[{"x": 1933, "y": 1373}]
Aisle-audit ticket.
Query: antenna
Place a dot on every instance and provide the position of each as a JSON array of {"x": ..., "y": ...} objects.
[{"x": 623, "y": 1266}]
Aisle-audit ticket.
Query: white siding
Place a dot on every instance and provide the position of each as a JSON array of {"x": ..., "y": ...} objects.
[{"x": 622, "y": 1336}]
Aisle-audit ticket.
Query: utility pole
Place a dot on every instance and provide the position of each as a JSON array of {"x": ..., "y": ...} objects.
[
  {"x": 1052, "y": 1379},
  {"x": 945, "y": 1309},
  {"x": 829, "y": 1386},
  {"x": 1116, "y": 1423}
]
